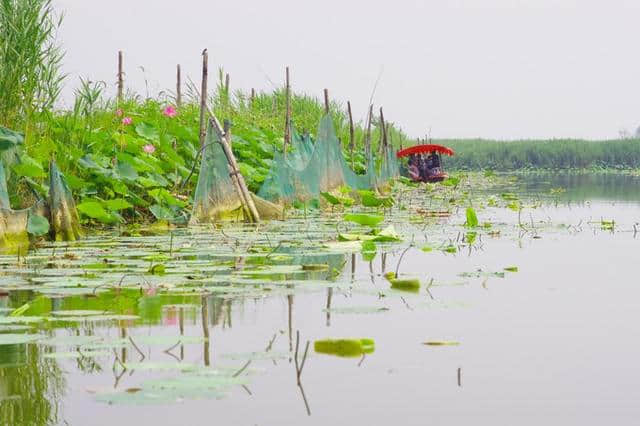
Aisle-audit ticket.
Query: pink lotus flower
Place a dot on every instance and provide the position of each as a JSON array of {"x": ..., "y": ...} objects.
[
  {"x": 149, "y": 148},
  {"x": 170, "y": 111},
  {"x": 119, "y": 112},
  {"x": 127, "y": 120}
]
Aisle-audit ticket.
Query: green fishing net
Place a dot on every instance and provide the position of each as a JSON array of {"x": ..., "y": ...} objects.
[
  {"x": 64, "y": 220},
  {"x": 59, "y": 209},
  {"x": 216, "y": 197},
  {"x": 311, "y": 168},
  {"x": 4, "y": 193}
]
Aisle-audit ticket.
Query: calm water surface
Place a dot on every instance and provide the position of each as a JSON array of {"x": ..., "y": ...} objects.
[{"x": 553, "y": 343}]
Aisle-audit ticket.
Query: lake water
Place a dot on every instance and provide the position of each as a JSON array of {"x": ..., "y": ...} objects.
[{"x": 213, "y": 341}]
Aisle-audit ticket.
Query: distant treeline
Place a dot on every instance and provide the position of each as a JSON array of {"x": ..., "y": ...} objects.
[{"x": 475, "y": 154}]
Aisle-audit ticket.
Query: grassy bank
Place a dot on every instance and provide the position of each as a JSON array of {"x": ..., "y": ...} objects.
[{"x": 476, "y": 154}]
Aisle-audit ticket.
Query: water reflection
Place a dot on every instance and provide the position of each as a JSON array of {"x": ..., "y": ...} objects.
[
  {"x": 31, "y": 388},
  {"x": 583, "y": 186}
]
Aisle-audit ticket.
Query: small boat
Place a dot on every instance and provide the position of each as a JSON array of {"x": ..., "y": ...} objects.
[{"x": 425, "y": 163}]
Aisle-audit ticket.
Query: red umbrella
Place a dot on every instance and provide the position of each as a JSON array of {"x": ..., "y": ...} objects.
[{"x": 420, "y": 149}]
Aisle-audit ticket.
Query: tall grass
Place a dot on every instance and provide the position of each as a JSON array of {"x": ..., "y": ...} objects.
[
  {"x": 474, "y": 154},
  {"x": 30, "y": 60}
]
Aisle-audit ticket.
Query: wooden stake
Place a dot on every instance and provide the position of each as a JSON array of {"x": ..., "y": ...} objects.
[
  {"x": 287, "y": 118},
  {"x": 367, "y": 136},
  {"x": 352, "y": 142},
  {"x": 253, "y": 96},
  {"x": 226, "y": 84},
  {"x": 227, "y": 132},
  {"x": 203, "y": 97},
  {"x": 383, "y": 128},
  {"x": 178, "y": 87},
  {"x": 205, "y": 330},
  {"x": 326, "y": 101},
  {"x": 120, "y": 77}
]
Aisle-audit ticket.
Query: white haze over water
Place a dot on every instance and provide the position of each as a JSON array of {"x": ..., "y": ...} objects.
[{"x": 467, "y": 68}]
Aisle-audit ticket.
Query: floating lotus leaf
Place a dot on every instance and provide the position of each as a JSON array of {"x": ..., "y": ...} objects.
[{"x": 14, "y": 339}]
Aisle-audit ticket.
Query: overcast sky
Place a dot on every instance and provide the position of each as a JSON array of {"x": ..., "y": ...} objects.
[{"x": 462, "y": 68}]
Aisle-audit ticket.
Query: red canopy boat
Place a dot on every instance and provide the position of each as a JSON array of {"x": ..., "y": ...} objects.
[
  {"x": 422, "y": 149},
  {"x": 427, "y": 169}
]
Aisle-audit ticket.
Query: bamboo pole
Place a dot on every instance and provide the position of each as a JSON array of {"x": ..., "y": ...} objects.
[
  {"x": 352, "y": 142},
  {"x": 226, "y": 136},
  {"x": 326, "y": 101},
  {"x": 203, "y": 97},
  {"x": 287, "y": 118},
  {"x": 178, "y": 87},
  {"x": 120, "y": 77}
]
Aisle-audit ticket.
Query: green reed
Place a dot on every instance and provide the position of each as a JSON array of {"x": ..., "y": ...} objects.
[
  {"x": 30, "y": 60},
  {"x": 475, "y": 154}
]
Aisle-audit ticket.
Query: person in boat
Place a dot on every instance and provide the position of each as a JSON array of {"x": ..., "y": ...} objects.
[
  {"x": 424, "y": 168},
  {"x": 413, "y": 167},
  {"x": 433, "y": 164}
]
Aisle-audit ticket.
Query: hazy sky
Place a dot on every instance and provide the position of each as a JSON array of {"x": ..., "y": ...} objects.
[{"x": 489, "y": 68}]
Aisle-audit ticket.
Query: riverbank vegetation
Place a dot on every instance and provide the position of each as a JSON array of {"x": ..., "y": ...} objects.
[
  {"x": 553, "y": 154},
  {"x": 122, "y": 156}
]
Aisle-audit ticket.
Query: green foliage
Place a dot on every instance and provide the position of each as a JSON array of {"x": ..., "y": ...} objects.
[
  {"x": 128, "y": 161},
  {"x": 411, "y": 285},
  {"x": 10, "y": 139},
  {"x": 331, "y": 199},
  {"x": 30, "y": 60},
  {"x": 554, "y": 154},
  {"x": 345, "y": 348},
  {"x": 157, "y": 269},
  {"x": 95, "y": 209},
  {"x": 37, "y": 225},
  {"x": 364, "y": 219},
  {"x": 472, "y": 218},
  {"x": 370, "y": 199},
  {"x": 28, "y": 167},
  {"x": 368, "y": 251}
]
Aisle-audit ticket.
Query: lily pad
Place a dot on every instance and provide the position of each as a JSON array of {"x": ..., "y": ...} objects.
[
  {"x": 159, "y": 366},
  {"x": 388, "y": 234},
  {"x": 78, "y": 313},
  {"x": 346, "y": 348},
  {"x": 364, "y": 218},
  {"x": 441, "y": 343},
  {"x": 70, "y": 340},
  {"x": 15, "y": 339},
  {"x": 357, "y": 310},
  {"x": 257, "y": 356},
  {"x": 142, "y": 397},
  {"x": 78, "y": 354},
  {"x": 405, "y": 284},
  {"x": 190, "y": 382}
]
